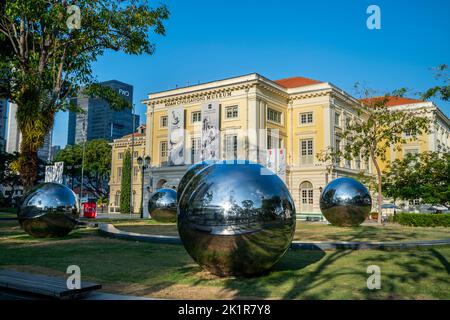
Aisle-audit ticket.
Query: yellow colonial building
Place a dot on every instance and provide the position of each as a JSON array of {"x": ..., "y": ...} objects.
[
  {"x": 136, "y": 144},
  {"x": 250, "y": 116},
  {"x": 299, "y": 115}
]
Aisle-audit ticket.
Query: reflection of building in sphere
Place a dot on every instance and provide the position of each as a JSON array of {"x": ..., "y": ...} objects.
[
  {"x": 162, "y": 205},
  {"x": 233, "y": 220},
  {"x": 345, "y": 202},
  {"x": 49, "y": 210},
  {"x": 190, "y": 172}
]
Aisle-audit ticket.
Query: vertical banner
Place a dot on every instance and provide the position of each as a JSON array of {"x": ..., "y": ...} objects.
[
  {"x": 211, "y": 131},
  {"x": 54, "y": 173},
  {"x": 276, "y": 162},
  {"x": 176, "y": 136}
]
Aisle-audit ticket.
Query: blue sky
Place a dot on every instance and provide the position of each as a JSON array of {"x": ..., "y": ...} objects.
[{"x": 323, "y": 40}]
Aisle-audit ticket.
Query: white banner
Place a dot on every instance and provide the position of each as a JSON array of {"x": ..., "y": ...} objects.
[
  {"x": 276, "y": 162},
  {"x": 211, "y": 131},
  {"x": 176, "y": 136},
  {"x": 54, "y": 173}
]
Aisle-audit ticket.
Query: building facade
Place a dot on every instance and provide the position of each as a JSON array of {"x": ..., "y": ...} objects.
[
  {"x": 99, "y": 120},
  {"x": 299, "y": 115},
  {"x": 136, "y": 144},
  {"x": 3, "y": 123},
  {"x": 437, "y": 139}
]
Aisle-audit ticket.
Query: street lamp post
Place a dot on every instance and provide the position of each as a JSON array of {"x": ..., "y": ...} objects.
[{"x": 143, "y": 164}]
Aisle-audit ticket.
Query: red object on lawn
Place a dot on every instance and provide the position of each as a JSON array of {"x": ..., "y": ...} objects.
[{"x": 90, "y": 209}]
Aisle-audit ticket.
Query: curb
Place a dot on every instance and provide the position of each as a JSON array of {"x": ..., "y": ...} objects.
[{"x": 111, "y": 231}]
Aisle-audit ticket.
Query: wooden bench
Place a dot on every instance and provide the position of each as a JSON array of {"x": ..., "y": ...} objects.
[{"x": 44, "y": 286}]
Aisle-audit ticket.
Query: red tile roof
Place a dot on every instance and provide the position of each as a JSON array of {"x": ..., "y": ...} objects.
[
  {"x": 136, "y": 134},
  {"x": 392, "y": 101},
  {"x": 295, "y": 82}
]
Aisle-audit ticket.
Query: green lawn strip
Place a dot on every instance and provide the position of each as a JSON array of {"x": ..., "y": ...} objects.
[
  {"x": 322, "y": 232},
  {"x": 407, "y": 274}
]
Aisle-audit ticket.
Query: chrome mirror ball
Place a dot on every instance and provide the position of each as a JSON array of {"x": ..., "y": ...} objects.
[
  {"x": 345, "y": 202},
  {"x": 190, "y": 172},
  {"x": 236, "y": 219},
  {"x": 162, "y": 205},
  {"x": 49, "y": 210}
]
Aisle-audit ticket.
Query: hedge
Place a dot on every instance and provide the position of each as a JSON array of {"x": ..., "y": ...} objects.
[{"x": 423, "y": 219}]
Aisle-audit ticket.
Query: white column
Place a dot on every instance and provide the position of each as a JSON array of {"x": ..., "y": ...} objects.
[{"x": 253, "y": 128}]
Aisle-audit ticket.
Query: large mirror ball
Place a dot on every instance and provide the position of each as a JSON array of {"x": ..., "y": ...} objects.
[
  {"x": 234, "y": 218},
  {"x": 49, "y": 210},
  {"x": 162, "y": 205},
  {"x": 345, "y": 202}
]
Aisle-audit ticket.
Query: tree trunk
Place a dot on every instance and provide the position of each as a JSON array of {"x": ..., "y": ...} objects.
[
  {"x": 28, "y": 165},
  {"x": 379, "y": 185}
]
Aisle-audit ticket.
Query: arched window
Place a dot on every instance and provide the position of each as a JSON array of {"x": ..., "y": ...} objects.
[{"x": 306, "y": 197}]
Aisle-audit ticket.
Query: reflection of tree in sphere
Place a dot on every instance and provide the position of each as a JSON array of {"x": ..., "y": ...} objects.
[
  {"x": 235, "y": 221},
  {"x": 162, "y": 205},
  {"x": 49, "y": 210},
  {"x": 345, "y": 202}
]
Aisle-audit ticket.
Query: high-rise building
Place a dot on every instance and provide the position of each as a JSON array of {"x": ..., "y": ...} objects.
[
  {"x": 54, "y": 152},
  {"x": 3, "y": 116},
  {"x": 14, "y": 136},
  {"x": 99, "y": 121}
]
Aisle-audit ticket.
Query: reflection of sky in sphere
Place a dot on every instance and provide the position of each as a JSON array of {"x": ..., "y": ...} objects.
[{"x": 345, "y": 190}]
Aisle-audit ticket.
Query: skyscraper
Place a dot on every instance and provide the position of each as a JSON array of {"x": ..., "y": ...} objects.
[
  {"x": 100, "y": 121},
  {"x": 3, "y": 115},
  {"x": 14, "y": 136}
]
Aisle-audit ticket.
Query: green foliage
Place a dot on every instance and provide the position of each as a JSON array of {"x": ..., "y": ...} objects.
[
  {"x": 43, "y": 62},
  {"x": 441, "y": 91},
  {"x": 97, "y": 165},
  {"x": 425, "y": 176},
  {"x": 125, "y": 184},
  {"x": 423, "y": 219}
]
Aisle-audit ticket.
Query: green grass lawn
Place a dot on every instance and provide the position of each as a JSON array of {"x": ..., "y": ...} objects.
[
  {"x": 322, "y": 232},
  {"x": 166, "y": 271}
]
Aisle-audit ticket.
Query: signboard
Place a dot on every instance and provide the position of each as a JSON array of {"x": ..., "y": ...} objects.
[
  {"x": 54, "y": 173},
  {"x": 210, "y": 131},
  {"x": 276, "y": 162},
  {"x": 176, "y": 136}
]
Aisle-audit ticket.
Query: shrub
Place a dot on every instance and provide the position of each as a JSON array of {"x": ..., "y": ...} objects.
[{"x": 423, "y": 219}]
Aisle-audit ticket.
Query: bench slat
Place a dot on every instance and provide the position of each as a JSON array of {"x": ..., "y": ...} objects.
[{"x": 43, "y": 285}]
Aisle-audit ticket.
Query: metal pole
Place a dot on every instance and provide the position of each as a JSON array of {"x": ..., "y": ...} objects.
[
  {"x": 132, "y": 162},
  {"x": 142, "y": 191},
  {"x": 82, "y": 160}
]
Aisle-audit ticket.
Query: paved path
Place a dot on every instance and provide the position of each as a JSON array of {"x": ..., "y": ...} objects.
[{"x": 111, "y": 231}]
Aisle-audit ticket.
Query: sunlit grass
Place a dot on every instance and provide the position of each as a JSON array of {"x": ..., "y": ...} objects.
[{"x": 167, "y": 271}]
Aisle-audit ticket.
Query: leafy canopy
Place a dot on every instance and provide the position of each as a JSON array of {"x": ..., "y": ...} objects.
[{"x": 424, "y": 176}]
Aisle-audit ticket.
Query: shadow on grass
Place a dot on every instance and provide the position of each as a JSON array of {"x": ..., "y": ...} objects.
[{"x": 336, "y": 275}]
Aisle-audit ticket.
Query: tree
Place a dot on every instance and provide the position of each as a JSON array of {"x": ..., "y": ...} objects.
[
  {"x": 125, "y": 183},
  {"x": 424, "y": 176},
  {"x": 50, "y": 57},
  {"x": 378, "y": 128},
  {"x": 97, "y": 165}
]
